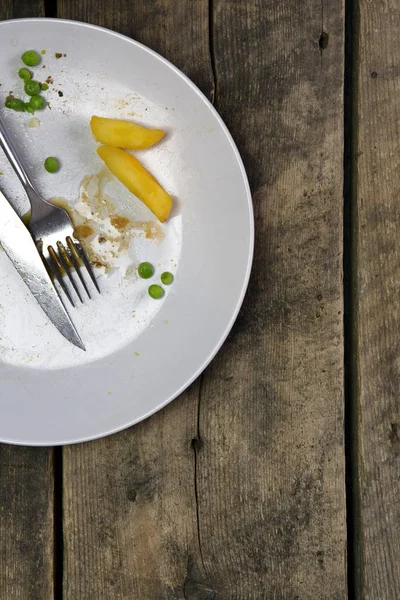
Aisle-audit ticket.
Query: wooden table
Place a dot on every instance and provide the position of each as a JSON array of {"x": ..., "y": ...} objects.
[{"x": 239, "y": 490}]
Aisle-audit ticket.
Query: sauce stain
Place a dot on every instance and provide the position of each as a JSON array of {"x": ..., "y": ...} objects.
[
  {"x": 152, "y": 230},
  {"x": 26, "y": 217},
  {"x": 83, "y": 231},
  {"x": 119, "y": 222},
  {"x": 105, "y": 233}
]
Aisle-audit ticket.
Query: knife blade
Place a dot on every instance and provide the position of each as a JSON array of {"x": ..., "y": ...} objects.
[{"x": 20, "y": 248}]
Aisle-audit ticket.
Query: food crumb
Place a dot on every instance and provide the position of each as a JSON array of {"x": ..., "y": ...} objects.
[
  {"x": 58, "y": 55},
  {"x": 83, "y": 231},
  {"x": 137, "y": 354},
  {"x": 119, "y": 222},
  {"x": 98, "y": 263},
  {"x": 166, "y": 322},
  {"x": 43, "y": 52},
  {"x": 49, "y": 79},
  {"x": 33, "y": 123},
  {"x": 60, "y": 93},
  {"x": 110, "y": 393}
]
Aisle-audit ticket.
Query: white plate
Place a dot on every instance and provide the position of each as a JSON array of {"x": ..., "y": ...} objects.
[{"x": 141, "y": 353}]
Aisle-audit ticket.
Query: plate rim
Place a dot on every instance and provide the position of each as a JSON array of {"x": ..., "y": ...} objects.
[{"x": 250, "y": 257}]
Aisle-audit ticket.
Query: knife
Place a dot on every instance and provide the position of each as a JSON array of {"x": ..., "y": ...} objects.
[{"x": 21, "y": 250}]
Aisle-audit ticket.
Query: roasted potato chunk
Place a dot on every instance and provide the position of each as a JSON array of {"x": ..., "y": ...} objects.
[
  {"x": 138, "y": 180},
  {"x": 124, "y": 134}
]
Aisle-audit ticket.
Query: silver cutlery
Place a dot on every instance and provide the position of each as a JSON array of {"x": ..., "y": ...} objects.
[
  {"x": 20, "y": 247},
  {"x": 53, "y": 232}
]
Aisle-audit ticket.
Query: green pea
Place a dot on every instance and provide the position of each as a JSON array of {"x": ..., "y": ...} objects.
[
  {"x": 30, "y": 58},
  {"x": 32, "y": 88},
  {"x": 37, "y": 102},
  {"x": 15, "y": 104},
  {"x": 156, "y": 291},
  {"x": 51, "y": 164},
  {"x": 145, "y": 270},
  {"x": 24, "y": 74},
  {"x": 167, "y": 278},
  {"x": 29, "y": 108},
  {"x": 44, "y": 86}
]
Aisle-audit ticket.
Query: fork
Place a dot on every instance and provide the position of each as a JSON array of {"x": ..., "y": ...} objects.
[{"x": 53, "y": 232}]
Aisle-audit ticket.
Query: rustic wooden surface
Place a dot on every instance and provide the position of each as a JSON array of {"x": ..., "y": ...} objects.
[
  {"x": 255, "y": 506},
  {"x": 236, "y": 491},
  {"x": 377, "y": 287},
  {"x": 148, "y": 547},
  {"x": 9, "y": 9},
  {"x": 26, "y": 523},
  {"x": 271, "y": 468},
  {"x": 26, "y": 480}
]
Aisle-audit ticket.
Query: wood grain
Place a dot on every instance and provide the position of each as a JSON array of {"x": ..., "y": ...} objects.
[
  {"x": 270, "y": 474},
  {"x": 19, "y": 9},
  {"x": 377, "y": 276},
  {"x": 177, "y": 30},
  {"x": 26, "y": 480},
  {"x": 258, "y": 509},
  {"x": 130, "y": 510},
  {"x": 26, "y": 523},
  {"x": 130, "y": 516}
]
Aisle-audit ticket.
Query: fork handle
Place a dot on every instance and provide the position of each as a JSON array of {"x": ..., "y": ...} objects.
[{"x": 15, "y": 162}]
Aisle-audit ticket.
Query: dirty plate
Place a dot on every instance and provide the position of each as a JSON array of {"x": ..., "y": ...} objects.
[{"x": 141, "y": 353}]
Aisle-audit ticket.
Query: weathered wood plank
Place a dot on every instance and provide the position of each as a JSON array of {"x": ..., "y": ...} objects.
[
  {"x": 269, "y": 466},
  {"x": 26, "y": 523},
  {"x": 130, "y": 510},
  {"x": 177, "y": 30},
  {"x": 130, "y": 519},
  {"x": 377, "y": 276},
  {"x": 270, "y": 474},
  {"x": 26, "y": 479},
  {"x": 18, "y": 9}
]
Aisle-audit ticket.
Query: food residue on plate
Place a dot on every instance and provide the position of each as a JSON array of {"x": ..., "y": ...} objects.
[
  {"x": 34, "y": 123},
  {"x": 105, "y": 233}
]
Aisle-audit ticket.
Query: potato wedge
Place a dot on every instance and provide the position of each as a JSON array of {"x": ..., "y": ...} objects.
[
  {"x": 124, "y": 134},
  {"x": 137, "y": 179}
]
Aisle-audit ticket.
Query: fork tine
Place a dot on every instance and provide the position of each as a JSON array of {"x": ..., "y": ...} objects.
[
  {"x": 64, "y": 260},
  {"x": 56, "y": 269},
  {"x": 76, "y": 246},
  {"x": 75, "y": 262}
]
